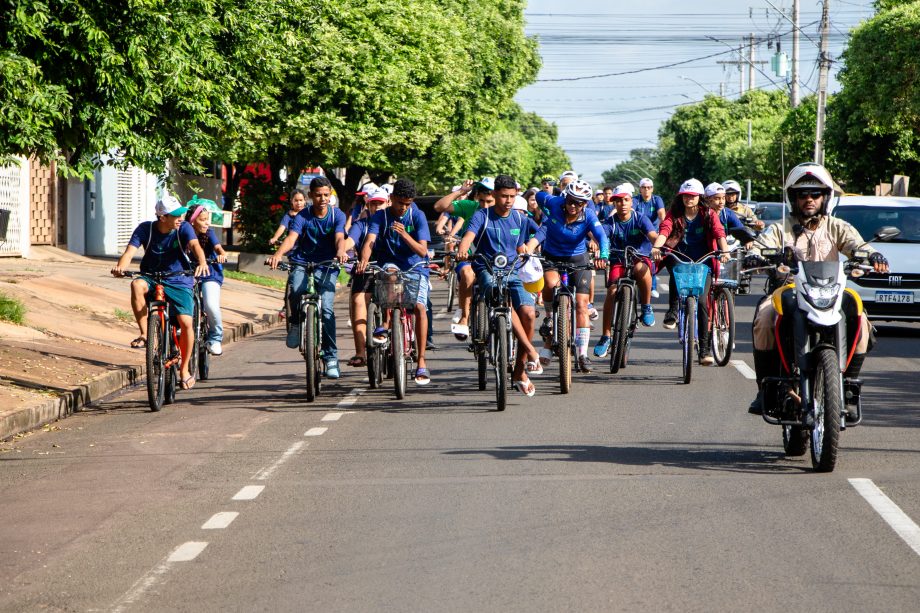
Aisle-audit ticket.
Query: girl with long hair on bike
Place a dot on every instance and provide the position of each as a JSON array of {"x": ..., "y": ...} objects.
[
  {"x": 199, "y": 216},
  {"x": 298, "y": 202}
]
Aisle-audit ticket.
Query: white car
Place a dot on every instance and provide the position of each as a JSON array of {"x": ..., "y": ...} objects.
[{"x": 896, "y": 295}]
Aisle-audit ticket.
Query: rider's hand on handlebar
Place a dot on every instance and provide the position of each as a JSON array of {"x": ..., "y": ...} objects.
[
  {"x": 361, "y": 266},
  {"x": 202, "y": 270},
  {"x": 341, "y": 257},
  {"x": 879, "y": 262},
  {"x": 221, "y": 258},
  {"x": 273, "y": 261},
  {"x": 600, "y": 263},
  {"x": 724, "y": 256},
  {"x": 656, "y": 253},
  {"x": 117, "y": 271}
]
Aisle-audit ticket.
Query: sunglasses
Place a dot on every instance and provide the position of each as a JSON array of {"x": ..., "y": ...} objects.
[{"x": 813, "y": 194}]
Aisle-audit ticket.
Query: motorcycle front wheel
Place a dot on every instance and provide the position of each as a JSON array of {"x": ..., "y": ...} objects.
[{"x": 828, "y": 405}]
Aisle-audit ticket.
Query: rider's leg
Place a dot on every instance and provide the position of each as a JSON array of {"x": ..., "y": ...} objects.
[
  {"x": 421, "y": 321},
  {"x": 297, "y": 283},
  {"x": 210, "y": 292},
  {"x": 607, "y": 320},
  {"x": 358, "y": 307},
  {"x": 702, "y": 314},
  {"x": 670, "y": 318},
  {"x": 643, "y": 275},
  {"x": 465, "y": 280},
  {"x": 186, "y": 343},
  {"x": 325, "y": 284},
  {"x": 765, "y": 354},
  {"x": 582, "y": 325},
  {"x": 523, "y": 317},
  {"x": 139, "y": 289}
]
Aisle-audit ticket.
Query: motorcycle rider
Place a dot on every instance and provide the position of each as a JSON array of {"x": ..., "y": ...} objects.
[{"x": 814, "y": 237}]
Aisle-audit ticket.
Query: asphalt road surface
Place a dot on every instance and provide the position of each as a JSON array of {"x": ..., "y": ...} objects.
[{"x": 633, "y": 492}]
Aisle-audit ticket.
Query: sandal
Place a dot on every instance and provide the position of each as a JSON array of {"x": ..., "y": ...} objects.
[
  {"x": 422, "y": 376},
  {"x": 533, "y": 367},
  {"x": 357, "y": 361},
  {"x": 461, "y": 332},
  {"x": 139, "y": 343},
  {"x": 526, "y": 388},
  {"x": 185, "y": 382}
]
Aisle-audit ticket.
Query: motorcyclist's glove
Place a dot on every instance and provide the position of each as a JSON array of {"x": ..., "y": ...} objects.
[{"x": 877, "y": 258}]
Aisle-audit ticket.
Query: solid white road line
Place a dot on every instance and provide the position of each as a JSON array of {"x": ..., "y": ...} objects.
[
  {"x": 744, "y": 369},
  {"x": 186, "y": 552},
  {"x": 250, "y": 492},
  {"x": 315, "y": 432},
  {"x": 267, "y": 472},
  {"x": 332, "y": 416},
  {"x": 219, "y": 521},
  {"x": 899, "y": 521}
]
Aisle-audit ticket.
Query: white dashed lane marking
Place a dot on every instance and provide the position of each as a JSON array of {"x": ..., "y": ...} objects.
[
  {"x": 250, "y": 492},
  {"x": 292, "y": 450},
  {"x": 744, "y": 369},
  {"x": 899, "y": 521},
  {"x": 315, "y": 432},
  {"x": 219, "y": 521},
  {"x": 186, "y": 552},
  {"x": 332, "y": 416}
]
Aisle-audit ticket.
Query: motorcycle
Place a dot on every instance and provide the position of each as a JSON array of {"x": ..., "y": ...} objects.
[{"x": 817, "y": 330}]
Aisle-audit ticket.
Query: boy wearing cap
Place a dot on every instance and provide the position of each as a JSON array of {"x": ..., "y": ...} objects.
[
  {"x": 652, "y": 206},
  {"x": 456, "y": 203},
  {"x": 733, "y": 202},
  {"x": 165, "y": 243}
]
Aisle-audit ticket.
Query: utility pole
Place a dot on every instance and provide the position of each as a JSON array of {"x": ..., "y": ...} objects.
[
  {"x": 824, "y": 68},
  {"x": 751, "y": 52},
  {"x": 795, "y": 54}
]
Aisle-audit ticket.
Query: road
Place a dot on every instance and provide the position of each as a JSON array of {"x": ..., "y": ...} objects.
[{"x": 633, "y": 492}]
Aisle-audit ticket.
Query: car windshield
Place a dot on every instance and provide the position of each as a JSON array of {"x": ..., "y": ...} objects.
[
  {"x": 772, "y": 211},
  {"x": 869, "y": 219}
]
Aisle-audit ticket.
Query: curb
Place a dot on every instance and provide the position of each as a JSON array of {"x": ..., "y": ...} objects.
[{"x": 73, "y": 400}]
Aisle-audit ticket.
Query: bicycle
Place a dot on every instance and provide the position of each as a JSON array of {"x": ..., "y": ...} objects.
[
  {"x": 311, "y": 323},
  {"x": 494, "y": 342},
  {"x": 163, "y": 358},
  {"x": 690, "y": 281},
  {"x": 390, "y": 297},
  {"x": 625, "y": 311},
  {"x": 562, "y": 341},
  {"x": 722, "y": 309}
]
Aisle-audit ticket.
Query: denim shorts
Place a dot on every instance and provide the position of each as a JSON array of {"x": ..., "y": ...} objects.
[
  {"x": 519, "y": 296},
  {"x": 417, "y": 284}
]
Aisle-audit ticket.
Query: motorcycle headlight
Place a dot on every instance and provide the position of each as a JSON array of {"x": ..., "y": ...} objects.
[
  {"x": 500, "y": 261},
  {"x": 822, "y": 297}
]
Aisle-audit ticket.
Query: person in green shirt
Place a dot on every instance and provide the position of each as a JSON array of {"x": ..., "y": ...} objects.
[{"x": 472, "y": 196}]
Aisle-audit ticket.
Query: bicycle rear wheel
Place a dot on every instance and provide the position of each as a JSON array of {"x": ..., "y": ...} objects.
[
  {"x": 564, "y": 342},
  {"x": 620, "y": 332},
  {"x": 723, "y": 325},
  {"x": 688, "y": 335},
  {"x": 501, "y": 361},
  {"x": 172, "y": 373},
  {"x": 309, "y": 350},
  {"x": 399, "y": 354},
  {"x": 451, "y": 289},
  {"x": 156, "y": 373},
  {"x": 373, "y": 352}
]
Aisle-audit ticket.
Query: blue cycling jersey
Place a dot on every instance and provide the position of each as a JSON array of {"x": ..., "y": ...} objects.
[
  {"x": 495, "y": 234},
  {"x": 630, "y": 233},
  {"x": 729, "y": 219},
  {"x": 390, "y": 248},
  {"x": 316, "y": 235},
  {"x": 562, "y": 239}
]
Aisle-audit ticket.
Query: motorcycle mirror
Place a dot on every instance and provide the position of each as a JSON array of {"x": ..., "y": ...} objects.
[
  {"x": 783, "y": 269},
  {"x": 742, "y": 235},
  {"x": 886, "y": 233},
  {"x": 760, "y": 211}
]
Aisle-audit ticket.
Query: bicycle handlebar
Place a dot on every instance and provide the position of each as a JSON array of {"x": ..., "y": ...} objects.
[{"x": 287, "y": 266}]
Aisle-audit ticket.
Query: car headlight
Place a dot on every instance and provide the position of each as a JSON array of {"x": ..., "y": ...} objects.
[{"x": 822, "y": 297}]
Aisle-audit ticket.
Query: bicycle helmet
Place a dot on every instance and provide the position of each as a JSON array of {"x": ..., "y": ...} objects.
[
  {"x": 579, "y": 190},
  {"x": 809, "y": 176}
]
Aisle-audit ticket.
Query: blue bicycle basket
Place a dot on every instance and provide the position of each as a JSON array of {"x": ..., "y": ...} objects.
[{"x": 690, "y": 279}]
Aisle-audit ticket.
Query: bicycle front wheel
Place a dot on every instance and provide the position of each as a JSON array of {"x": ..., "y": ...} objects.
[
  {"x": 501, "y": 361},
  {"x": 308, "y": 330},
  {"x": 723, "y": 325},
  {"x": 564, "y": 342},
  {"x": 372, "y": 351},
  {"x": 156, "y": 373},
  {"x": 688, "y": 334},
  {"x": 620, "y": 332},
  {"x": 451, "y": 289},
  {"x": 399, "y": 354}
]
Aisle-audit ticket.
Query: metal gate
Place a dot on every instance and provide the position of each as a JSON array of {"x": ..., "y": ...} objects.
[{"x": 14, "y": 204}]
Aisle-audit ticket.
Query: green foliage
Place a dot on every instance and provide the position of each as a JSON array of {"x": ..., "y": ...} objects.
[
  {"x": 262, "y": 207},
  {"x": 641, "y": 163},
  {"x": 11, "y": 310},
  {"x": 248, "y": 277}
]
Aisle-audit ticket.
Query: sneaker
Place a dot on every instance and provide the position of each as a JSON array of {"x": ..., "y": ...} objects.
[
  {"x": 293, "y": 337},
  {"x": 584, "y": 364},
  {"x": 756, "y": 407},
  {"x": 214, "y": 348},
  {"x": 670, "y": 320},
  {"x": 332, "y": 368},
  {"x": 602, "y": 348},
  {"x": 546, "y": 328},
  {"x": 429, "y": 346},
  {"x": 592, "y": 312},
  {"x": 648, "y": 316},
  {"x": 706, "y": 357},
  {"x": 656, "y": 293}
]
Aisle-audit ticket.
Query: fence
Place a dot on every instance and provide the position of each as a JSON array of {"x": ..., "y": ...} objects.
[{"x": 14, "y": 209}]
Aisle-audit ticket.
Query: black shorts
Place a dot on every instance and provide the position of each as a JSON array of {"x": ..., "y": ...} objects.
[
  {"x": 361, "y": 284},
  {"x": 582, "y": 278}
]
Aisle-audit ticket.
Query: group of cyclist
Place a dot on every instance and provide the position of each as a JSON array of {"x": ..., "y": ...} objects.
[{"x": 571, "y": 226}]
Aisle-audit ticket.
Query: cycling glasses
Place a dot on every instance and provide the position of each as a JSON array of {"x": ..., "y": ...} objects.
[{"x": 814, "y": 194}]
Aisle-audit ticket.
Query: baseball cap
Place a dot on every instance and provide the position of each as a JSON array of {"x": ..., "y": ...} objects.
[
  {"x": 623, "y": 189},
  {"x": 170, "y": 205},
  {"x": 691, "y": 186},
  {"x": 388, "y": 188},
  {"x": 646, "y": 182},
  {"x": 732, "y": 186},
  {"x": 598, "y": 192},
  {"x": 714, "y": 188},
  {"x": 568, "y": 173},
  {"x": 379, "y": 194},
  {"x": 519, "y": 204},
  {"x": 487, "y": 182}
]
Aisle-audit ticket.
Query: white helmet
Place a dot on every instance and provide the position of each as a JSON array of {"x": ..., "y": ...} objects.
[
  {"x": 809, "y": 176},
  {"x": 579, "y": 190},
  {"x": 731, "y": 186}
]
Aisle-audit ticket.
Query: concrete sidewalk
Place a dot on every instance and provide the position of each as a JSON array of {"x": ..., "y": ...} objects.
[{"x": 74, "y": 347}]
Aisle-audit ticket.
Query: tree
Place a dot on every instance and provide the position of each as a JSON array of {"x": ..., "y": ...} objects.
[{"x": 641, "y": 163}]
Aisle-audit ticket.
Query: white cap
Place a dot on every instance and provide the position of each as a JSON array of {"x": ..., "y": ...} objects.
[
  {"x": 646, "y": 182},
  {"x": 170, "y": 205},
  {"x": 714, "y": 188},
  {"x": 519, "y": 204},
  {"x": 623, "y": 189},
  {"x": 388, "y": 188},
  {"x": 568, "y": 173},
  {"x": 691, "y": 186},
  {"x": 487, "y": 182},
  {"x": 379, "y": 194},
  {"x": 598, "y": 191}
]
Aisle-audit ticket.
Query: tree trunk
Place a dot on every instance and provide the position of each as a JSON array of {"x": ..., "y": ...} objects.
[{"x": 346, "y": 190}]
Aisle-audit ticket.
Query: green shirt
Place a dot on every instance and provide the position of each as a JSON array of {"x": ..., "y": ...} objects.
[{"x": 465, "y": 209}]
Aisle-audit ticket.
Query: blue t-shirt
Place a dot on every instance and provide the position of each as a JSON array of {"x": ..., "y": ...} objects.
[
  {"x": 495, "y": 234},
  {"x": 694, "y": 242},
  {"x": 165, "y": 252},
  {"x": 630, "y": 233},
  {"x": 649, "y": 209},
  {"x": 389, "y": 248},
  {"x": 358, "y": 233},
  {"x": 561, "y": 239},
  {"x": 316, "y": 235},
  {"x": 286, "y": 221},
  {"x": 605, "y": 211},
  {"x": 210, "y": 251},
  {"x": 729, "y": 219}
]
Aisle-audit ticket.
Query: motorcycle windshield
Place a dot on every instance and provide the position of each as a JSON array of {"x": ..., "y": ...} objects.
[{"x": 820, "y": 274}]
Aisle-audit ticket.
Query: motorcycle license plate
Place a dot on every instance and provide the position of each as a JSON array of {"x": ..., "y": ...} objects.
[{"x": 895, "y": 297}]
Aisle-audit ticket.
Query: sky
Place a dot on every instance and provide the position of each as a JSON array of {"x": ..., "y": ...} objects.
[{"x": 601, "y": 119}]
